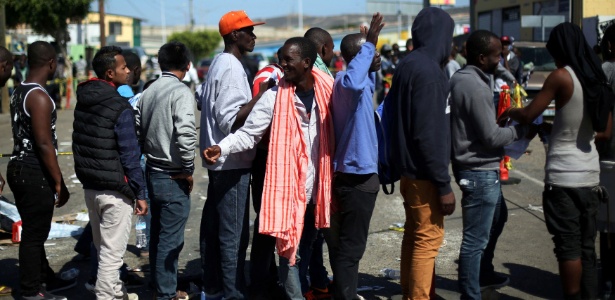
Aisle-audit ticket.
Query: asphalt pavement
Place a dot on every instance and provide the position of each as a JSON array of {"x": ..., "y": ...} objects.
[{"x": 524, "y": 251}]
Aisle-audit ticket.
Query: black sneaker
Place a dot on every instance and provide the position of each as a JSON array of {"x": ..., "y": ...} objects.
[
  {"x": 132, "y": 281},
  {"x": 43, "y": 295},
  {"x": 58, "y": 284},
  {"x": 494, "y": 281}
]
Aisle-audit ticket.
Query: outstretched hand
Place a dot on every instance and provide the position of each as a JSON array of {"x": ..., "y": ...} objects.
[
  {"x": 371, "y": 34},
  {"x": 212, "y": 154}
]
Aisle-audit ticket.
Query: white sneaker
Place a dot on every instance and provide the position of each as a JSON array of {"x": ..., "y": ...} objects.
[{"x": 131, "y": 296}]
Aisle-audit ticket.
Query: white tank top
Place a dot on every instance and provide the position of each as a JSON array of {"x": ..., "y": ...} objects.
[{"x": 572, "y": 159}]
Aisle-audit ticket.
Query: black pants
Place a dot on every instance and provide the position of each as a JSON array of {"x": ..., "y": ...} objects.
[
  {"x": 263, "y": 270},
  {"x": 570, "y": 214},
  {"x": 347, "y": 237},
  {"x": 34, "y": 198}
]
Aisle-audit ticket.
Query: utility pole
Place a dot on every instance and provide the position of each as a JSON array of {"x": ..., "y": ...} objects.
[
  {"x": 4, "y": 107},
  {"x": 399, "y": 21},
  {"x": 191, "y": 15},
  {"x": 101, "y": 22}
]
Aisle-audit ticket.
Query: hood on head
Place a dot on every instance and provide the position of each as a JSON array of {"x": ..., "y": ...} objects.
[
  {"x": 432, "y": 33},
  {"x": 95, "y": 90}
]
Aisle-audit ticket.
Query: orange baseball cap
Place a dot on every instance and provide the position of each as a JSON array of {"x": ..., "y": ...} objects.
[{"x": 234, "y": 20}]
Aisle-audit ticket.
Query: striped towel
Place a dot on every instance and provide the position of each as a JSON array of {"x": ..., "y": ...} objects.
[{"x": 284, "y": 199}]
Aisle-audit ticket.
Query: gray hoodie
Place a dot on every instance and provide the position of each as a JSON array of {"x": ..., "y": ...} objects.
[{"x": 476, "y": 138}]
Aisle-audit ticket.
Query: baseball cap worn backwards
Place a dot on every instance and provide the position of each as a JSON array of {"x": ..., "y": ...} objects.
[{"x": 235, "y": 20}]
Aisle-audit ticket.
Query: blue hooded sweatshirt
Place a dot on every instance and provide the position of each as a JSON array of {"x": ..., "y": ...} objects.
[{"x": 418, "y": 103}]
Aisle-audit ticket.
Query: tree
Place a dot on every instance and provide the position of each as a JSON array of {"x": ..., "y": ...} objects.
[
  {"x": 200, "y": 43},
  {"x": 47, "y": 17}
]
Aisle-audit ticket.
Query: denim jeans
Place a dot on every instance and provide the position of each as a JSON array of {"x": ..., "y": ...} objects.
[
  {"x": 34, "y": 197},
  {"x": 482, "y": 197},
  {"x": 294, "y": 278},
  {"x": 225, "y": 233},
  {"x": 170, "y": 209}
]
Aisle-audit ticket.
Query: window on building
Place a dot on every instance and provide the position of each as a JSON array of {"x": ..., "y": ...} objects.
[{"x": 115, "y": 28}]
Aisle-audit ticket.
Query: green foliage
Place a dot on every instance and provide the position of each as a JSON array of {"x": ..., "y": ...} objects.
[
  {"x": 46, "y": 16},
  {"x": 200, "y": 43}
]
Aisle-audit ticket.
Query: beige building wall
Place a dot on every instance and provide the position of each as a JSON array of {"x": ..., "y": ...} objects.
[
  {"x": 127, "y": 34},
  {"x": 592, "y": 8}
]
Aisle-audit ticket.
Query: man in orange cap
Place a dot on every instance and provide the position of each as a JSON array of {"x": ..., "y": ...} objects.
[{"x": 225, "y": 100}]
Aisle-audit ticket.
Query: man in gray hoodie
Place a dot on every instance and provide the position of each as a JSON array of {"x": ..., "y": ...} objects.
[
  {"x": 168, "y": 135},
  {"x": 478, "y": 146}
]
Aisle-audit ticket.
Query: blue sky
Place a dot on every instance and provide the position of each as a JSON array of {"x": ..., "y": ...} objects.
[{"x": 208, "y": 12}]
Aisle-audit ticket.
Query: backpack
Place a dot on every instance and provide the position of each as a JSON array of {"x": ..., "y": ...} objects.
[{"x": 386, "y": 173}]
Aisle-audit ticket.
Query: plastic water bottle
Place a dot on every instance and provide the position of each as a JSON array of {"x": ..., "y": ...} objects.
[
  {"x": 70, "y": 274},
  {"x": 391, "y": 273},
  {"x": 140, "y": 229},
  {"x": 203, "y": 297}
]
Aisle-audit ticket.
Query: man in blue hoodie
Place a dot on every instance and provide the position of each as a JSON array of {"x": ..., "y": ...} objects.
[
  {"x": 420, "y": 147},
  {"x": 355, "y": 183}
]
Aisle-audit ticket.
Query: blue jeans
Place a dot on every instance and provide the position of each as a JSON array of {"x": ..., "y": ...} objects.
[
  {"x": 294, "y": 278},
  {"x": 225, "y": 233},
  {"x": 484, "y": 214},
  {"x": 170, "y": 209}
]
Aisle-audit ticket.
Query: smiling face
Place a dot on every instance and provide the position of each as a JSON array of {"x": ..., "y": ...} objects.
[
  {"x": 293, "y": 65},
  {"x": 245, "y": 39}
]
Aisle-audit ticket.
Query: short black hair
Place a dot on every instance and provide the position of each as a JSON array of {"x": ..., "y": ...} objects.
[
  {"x": 39, "y": 54},
  {"x": 306, "y": 47},
  {"x": 132, "y": 60},
  {"x": 351, "y": 44},
  {"x": 105, "y": 60},
  {"x": 478, "y": 43},
  {"x": 173, "y": 56},
  {"x": 5, "y": 55},
  {"x": 609, "y": 36},
  {"x": 317, "y": 35}
]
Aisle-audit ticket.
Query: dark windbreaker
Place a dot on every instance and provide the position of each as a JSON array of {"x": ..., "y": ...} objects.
[{"x": 418, "y": 103}]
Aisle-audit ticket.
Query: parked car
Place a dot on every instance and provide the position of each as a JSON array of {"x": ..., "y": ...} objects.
[
  {"x": 538, "y": 64},
  {"x": 260, "y": 58},
  {"x": 203, "y": 67}
]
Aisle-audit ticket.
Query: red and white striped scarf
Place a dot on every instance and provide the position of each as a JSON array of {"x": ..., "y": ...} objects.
[{"x": 284, "y": 197}]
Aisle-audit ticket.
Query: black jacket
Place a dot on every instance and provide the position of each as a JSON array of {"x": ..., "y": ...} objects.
[
  {"x": 97, "y": 159},
  {"x": 418, "y": 103}
]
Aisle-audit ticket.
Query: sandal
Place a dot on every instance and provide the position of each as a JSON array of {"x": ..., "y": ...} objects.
[{"x": 5, "y": 290}]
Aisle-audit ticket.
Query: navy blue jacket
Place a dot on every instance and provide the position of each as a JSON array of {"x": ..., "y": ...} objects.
[{"x": 418, "y": 103}]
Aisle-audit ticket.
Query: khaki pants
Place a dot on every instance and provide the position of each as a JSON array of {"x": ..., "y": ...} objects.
[
  {"x": 110, "y": 216},
  {"x": 423, "y": 235}
]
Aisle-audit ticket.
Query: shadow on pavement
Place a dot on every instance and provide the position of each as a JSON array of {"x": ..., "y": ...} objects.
[{"x": 533, "y": 281}]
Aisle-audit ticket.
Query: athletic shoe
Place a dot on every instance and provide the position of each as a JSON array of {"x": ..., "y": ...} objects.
[
  {"x": 132, "y": 281},
  {"x": 318, "y": 294},
  {"x": 494, "y": 281},
  {"x": 43, "y": 295},
  {"x": 59, "y": 284},
  {"x": 131, "y": 296}
]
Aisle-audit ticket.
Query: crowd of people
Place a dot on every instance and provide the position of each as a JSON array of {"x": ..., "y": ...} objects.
[{"x": 304, "y": 143}]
